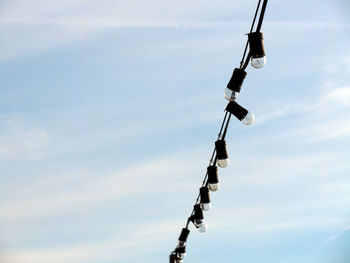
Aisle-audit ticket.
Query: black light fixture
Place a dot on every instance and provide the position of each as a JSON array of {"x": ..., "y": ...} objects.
[
  {"x": 235, "y": 84},
  {"x": 198, "y": 219},
  {"x": 180, "y": 252},
  {"x": 257, "y": 52},
  {"x": 205, "y": 198},
  {"x": 240, "y": 113},
  {"x": 172, "y": 258},
  {"x": 183, "y": 237},
  {"x": 213, "y": 179},
  {"x": 221, "y": 153}
]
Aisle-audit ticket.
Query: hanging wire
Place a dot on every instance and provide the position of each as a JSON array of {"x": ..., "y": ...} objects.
[
  {"x": 224, "y": 122},
  {"x": 262, "y": 14},
  {"x": 212, "y": 159},
  {"x": 225, "y": 131},
  {"x": 222, "y": 125},
  {"x": 227, "y": 117}
]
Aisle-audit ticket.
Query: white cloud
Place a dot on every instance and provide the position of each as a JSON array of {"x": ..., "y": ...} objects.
[
  {"x": 19, "y": 140},
  {"x": 340, "y": 96},
  {"x": 323, "y": 118},
  {"x": 117, "y": 245},
  {"x": 335, "y": 236},
  {"x": 162, "y": 23},
  {"x": 119, "y": 23},
  {"x": 338, "y": 63},
  {"x": 42, "y": 26},
  {"x": 263, "y": 193},
  {"x": 29, "y": 40},
  {"x": 36, "y": 27},
  {"x": 50, "y": 195}
]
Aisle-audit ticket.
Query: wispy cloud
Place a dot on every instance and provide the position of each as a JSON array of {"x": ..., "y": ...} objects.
[
  {"x": 340, "y": 95},
  {"x": 76, "y": 196},
  {"x": 119, "y": 23},
  {"x": 19, "y": 140},
  {"x": 161, "y": 23},
  {"x": 140, "y": 237},
  {"x": 41, "y": 199},
  {"x": 335, "y": 236}
]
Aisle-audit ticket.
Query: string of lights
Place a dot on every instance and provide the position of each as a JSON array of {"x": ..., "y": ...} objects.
[{"x": 256, "y": 56}]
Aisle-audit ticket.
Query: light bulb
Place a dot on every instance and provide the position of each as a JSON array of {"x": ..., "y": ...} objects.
[
  {"x": 203, "y": 228},
  {"x": 214, "y": 187},
  {"x": 258, "y": 62},
  {"x": 201, "y": 225},
  {"x": 240, "y": 113},
  {"x": 213, "y": 179},
  {"x": 205, "y": 198},
  {"x": 180, "y": 252},
  {"x": 198, "y": 219},
  {"x": 199, "y": 222},
  {"x": 257, "y": 52},
  {"x": 181, "y": 244},
  {"x": 181, "y": 255},
  {"x": 206, "y": 206},
  {"x": 249, "y": 118},
  {"x": 223, "y": 162},
  {"x": 235, "y": 84},
  {"x": 183, "y": 237},
  {"x": 230, "y": 95},
  {"x": 221, "y": 151}
]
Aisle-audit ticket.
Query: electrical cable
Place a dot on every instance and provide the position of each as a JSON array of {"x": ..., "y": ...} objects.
[
  {"x": 227, "y": 117},
  {"x": 262, "y": 14},
  {"x": 226, "y": 113}
]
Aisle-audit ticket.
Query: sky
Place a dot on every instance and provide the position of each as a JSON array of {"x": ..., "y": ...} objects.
[{"x": 108, "y": 115}]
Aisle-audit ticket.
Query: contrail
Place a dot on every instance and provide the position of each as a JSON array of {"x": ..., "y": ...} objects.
[
  {"x": 335, "y": 236},
  {"x": 181, "y": 24},
  {"x": 116, "y": 23}
]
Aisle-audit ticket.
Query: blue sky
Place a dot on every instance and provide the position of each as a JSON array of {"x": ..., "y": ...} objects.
[{"x": 108, "y": 116}]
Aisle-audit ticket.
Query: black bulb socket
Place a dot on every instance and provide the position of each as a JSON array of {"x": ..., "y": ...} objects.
[
  {"x": 256, "y": 44},
  {"x": 198, "y": 212},
  {"x": 212, "y": 174},
  {"x": 236, "y": 81},
  {"x": 237, "y": 110},
  {"x": 184, "y": 235},
  {"x": 204, "y": 193},
  {"x": 221, "y": 151}
]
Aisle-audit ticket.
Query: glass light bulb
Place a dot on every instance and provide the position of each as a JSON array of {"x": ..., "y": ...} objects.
[
  {"x": 206, "y": 206},
  {"x": 201, "y": 225},
  {"x": 258, "y": 62},
  {"x": 214, "y": 187},
  {"x": 224, "y": 162},
  {"x": 199, "y": 222},
  {"x": 230, "y": 95},
  {"x": 181, "y": 244},
  {"x": 203, "y": 228},
  {"x": 181, "y": 255},
  {"x": 249, "y": 118}
]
